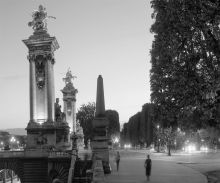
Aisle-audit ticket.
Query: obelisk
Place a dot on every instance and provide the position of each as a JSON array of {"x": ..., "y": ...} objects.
[
  {"x": 100, "y": 123},
  {"x": 100, "y": 99}
]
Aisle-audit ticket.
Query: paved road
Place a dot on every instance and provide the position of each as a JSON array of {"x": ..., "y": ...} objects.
[{"x": 132, "y": 171}]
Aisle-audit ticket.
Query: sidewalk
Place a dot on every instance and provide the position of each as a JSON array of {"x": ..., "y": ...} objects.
[{"x": 132, "y": 171}]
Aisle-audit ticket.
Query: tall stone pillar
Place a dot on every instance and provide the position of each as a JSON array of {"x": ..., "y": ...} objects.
[
  {"x": 41, "y": 47},
  {"x": 41, "y": 60},
  {"x": 100, "y": 123},
  {"x": 69, "y": 101}
]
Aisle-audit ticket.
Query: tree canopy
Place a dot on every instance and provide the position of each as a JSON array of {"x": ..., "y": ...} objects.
[
  {"x": 185, "y": 59},
  {"x": 114, "y": 125},
  {"x": 139, "y": 129},
  {"x": 85, "y": 115}
]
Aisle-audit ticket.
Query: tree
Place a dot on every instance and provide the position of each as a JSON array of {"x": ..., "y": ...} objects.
[
  {"x": 114, "y": 125},
  {"x": 210, "y": 136},
  {"x": 139, "y": 129},
  {"x": 185, "y": 59},
  {"x": 169, "y": 136},
  {"x": 85, "y": 115}
]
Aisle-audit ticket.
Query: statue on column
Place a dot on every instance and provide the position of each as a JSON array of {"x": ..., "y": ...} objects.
[
  {"x": 69, "y": 77},
  {"x": 39, "y": 22}
]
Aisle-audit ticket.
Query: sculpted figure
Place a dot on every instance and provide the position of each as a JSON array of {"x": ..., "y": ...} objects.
[
  {"x": 58, "y": 113},
  {"x": 69, "y": 77},
  {"x": 39, "y": 19}
]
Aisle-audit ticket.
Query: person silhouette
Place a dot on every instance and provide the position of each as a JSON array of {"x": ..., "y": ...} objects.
[
  {"x": 117, "y": 159},
  {"x": 148, "y": 165}
]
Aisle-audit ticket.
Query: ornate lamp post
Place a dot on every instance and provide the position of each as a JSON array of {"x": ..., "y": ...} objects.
[{"x": 158, "y": 139}]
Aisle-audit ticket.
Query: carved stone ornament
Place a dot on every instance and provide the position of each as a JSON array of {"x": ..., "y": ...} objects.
[{"x": 40, "y": 71}]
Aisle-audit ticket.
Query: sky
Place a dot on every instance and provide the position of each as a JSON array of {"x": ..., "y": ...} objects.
[{"x": 107, "y": 37}]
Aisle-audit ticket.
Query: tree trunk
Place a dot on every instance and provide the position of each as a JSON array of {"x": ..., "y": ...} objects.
[
  {"x": 169, "y": 152},
  {"x": 158, "y": 147}
]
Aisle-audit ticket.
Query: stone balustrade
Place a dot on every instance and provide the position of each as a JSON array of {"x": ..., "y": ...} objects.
[{"x": 34, "y": 153}]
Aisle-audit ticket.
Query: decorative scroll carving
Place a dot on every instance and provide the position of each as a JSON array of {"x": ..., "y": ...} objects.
[{"x": 43, "y": 47}]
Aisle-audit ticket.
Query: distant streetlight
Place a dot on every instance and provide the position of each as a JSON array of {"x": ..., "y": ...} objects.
[
  {"x": 175, "y": 144},
  {"x": 12, "y": 139},
  {"x": 158, "y": 134},
  {"x": 116, "y": 139}
]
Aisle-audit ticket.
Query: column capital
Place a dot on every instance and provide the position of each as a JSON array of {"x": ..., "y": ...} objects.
[{"x": 48, "y": 56}]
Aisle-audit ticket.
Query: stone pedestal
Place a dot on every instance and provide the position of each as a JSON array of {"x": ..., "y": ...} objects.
[{"x": 48, "y": 136}]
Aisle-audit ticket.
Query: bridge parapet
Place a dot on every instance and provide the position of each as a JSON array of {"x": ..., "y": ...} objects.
[
  {"x": 34, "y": 153},
  {"x": 59, "y": 154},
  {"x": 7, "y": 154}
]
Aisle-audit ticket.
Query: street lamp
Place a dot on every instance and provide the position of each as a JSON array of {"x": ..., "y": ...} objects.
[
  {"x": 12, "y": 140},
  {"x": 175, "y": 144},
  {"x": 116, "y": 140},
  {"x": 2, "y": 144},
  {"x": 158, "y": 140}
]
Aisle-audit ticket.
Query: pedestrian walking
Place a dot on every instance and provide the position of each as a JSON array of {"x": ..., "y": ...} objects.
[
  {"x": 117, "y": 159},
  {"x": 148, "y": 165}
]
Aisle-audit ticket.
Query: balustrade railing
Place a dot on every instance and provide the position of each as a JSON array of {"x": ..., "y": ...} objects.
[
  {"x": 11, "y": 153},
  {"x": 34, "y": 153},
  {"x": 59, "y": 154}
]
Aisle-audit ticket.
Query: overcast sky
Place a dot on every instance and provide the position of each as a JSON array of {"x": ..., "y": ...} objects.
[{"x": 107, "y": 37}]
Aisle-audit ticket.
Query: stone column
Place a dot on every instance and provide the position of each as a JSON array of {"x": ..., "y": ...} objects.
[
  {"x": 74, "y": 115},
  {"x": 50, "y": 92},
  {"x": 32, "y": 81}
]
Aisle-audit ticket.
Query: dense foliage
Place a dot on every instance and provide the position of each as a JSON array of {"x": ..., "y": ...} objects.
[
  {"x": 139, "y": 129},
  {"x": 114, "y": 125},
  {"x": 185, "y": 59},
  {"x": 85, "y": 115}
]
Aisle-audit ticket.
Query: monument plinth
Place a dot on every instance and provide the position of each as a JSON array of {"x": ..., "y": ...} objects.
[{"x": 100, "y": 123}]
